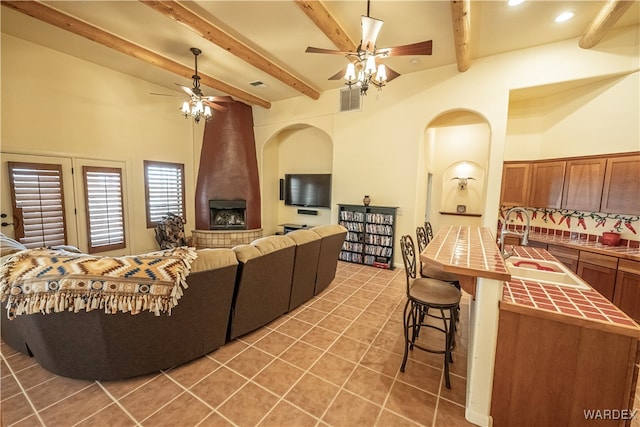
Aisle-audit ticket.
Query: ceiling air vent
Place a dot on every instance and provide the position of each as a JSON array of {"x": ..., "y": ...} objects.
[
  {"x": 258, "y": 83},
  {"x": 350, "y": 99}
]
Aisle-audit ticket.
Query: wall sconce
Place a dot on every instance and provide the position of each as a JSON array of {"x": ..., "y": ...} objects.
[{"x": 462, "y": 182}]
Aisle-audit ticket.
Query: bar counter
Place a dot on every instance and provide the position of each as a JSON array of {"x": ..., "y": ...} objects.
[{"x": 472, "y": 253}]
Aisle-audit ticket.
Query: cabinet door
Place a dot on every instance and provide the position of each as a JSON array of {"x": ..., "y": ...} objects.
[
  {"x": 627, "y": 292},
  {"x": 622, "y": 185},
  {"x": 583, "y": 184},
  {"x": 602, "y": 279},
  {"x": 516, "y": 178},
  {"x": 546, "y": 184},
  {"x": 567, "y": 256}
]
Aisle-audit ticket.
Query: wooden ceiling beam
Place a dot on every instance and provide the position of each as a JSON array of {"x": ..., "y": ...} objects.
[
  {"x": 321, "y": 17},
  {"x": 179, "y": 13},
  {"x": 603, "y": 22},
  {"x": 56, "y": 18},
  {"x": 460, "y": 16}
]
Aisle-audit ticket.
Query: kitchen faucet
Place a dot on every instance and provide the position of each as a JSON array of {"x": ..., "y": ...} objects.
[{"x": 524, "y": 236}]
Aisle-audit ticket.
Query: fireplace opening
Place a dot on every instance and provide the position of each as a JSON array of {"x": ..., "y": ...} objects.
[{"x": 227, "y": 214}]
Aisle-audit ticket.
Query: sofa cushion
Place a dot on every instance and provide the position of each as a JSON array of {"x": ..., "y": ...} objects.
[
  {"x": 328, "y": 230},
  {"x": 67, "y": 248},
  {"x": 246, "y": 252},
  {"x": 213, "y": 259},
  {"x": 9, "y": 246},
  {"x": 303, "y": 236},
  {"x": 269, "y": 244}
]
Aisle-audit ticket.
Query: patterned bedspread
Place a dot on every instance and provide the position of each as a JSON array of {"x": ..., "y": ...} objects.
[{"x": 49, "y": 281}]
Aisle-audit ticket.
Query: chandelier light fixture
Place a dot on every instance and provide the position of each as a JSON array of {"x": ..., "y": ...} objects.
[
  {"x": 368, "y": 73},
  {"x": 195, "y": 106},
  {"x": 364, "y": 69}
]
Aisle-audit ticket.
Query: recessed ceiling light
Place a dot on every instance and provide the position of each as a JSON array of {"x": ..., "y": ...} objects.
[
  {"x": 564, "y": 16},
  {"x": 515, "y": 2}
]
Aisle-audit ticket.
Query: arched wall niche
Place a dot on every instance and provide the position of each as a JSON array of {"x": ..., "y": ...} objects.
[
  {"x": 463, "y": 188},
  {"x": 296, "y": 148},
  {"x": 456, "y": 142}
]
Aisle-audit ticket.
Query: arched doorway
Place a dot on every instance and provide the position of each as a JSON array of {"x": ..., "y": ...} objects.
[
  {"x": 456, "y": 156},
  {"x": 298, "y": 148}
]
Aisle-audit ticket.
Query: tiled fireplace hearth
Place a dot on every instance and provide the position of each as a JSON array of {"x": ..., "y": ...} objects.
[{"x": 223, "y": 238}]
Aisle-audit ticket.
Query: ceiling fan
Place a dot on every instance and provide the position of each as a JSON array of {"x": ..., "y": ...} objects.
[
  {"x": 364, "y": 66},
  {"x": 200, "y": 105}
]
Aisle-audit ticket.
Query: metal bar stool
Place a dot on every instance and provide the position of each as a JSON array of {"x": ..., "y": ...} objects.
[
  {"x": 424, "y": 294},
  {"x": 429, "y": 231},
  {"x": 422, "y": 236}
]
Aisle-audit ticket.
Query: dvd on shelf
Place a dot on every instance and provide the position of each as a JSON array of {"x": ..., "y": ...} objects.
[{"x": 370, "y": 234}]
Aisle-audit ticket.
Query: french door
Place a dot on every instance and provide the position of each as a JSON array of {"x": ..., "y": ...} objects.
[
  {"x": 36, "y": 201},
  {"x": 47, "y": 201}
]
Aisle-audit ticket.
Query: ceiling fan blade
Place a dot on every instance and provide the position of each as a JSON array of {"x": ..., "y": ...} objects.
[
  {"x": 370, "y": 29},
  {"x": 219, "y": 99},
  {"x": 339, "y": 75},
  {"x": 321, "y": 50},
  {"x": 215, "y": 106},
  {"x": 189, "y": 91},
  {"x": 163, "y": 94},
  {"x": 420, "y": 48},
  {"x": 391, "y": 74}
]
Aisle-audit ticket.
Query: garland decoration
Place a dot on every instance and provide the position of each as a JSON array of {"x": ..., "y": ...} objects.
[{"x": 564, "y": 216}]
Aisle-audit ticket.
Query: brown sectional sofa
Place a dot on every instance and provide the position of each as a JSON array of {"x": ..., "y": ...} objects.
[
  {"x": 305, "y": 267},
  {"x": 93, "y": 345},
  {"x": 263, "y": 285},
  {"x": 332, "y": 239},
  {"x": 231, "y": 292}
]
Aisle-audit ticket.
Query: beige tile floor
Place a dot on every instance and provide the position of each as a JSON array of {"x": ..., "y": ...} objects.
[{"x": 332, "y": 362}]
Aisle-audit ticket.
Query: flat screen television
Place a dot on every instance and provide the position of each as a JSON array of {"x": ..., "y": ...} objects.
[{"x": 308, "y": 189}]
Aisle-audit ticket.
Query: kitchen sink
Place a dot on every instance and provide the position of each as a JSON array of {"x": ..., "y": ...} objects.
[{"x": 544, "y": 271}]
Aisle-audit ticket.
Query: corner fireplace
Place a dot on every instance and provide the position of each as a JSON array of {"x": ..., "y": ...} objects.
[{"x": 227, "y": 214}]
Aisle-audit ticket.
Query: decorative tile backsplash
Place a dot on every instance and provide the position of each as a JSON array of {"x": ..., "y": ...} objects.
[{"x": 581, "y": 225}]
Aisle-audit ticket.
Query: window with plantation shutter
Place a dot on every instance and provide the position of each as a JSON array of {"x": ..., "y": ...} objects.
[
  {"x": 164, "y": 190},
  {"x": 105, "y": 208},
  {"x": 38, "y": 204}
]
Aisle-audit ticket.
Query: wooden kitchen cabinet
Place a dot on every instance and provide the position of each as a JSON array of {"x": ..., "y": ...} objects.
[
  {"x": 567, "y": 256},
  {"x": 547, "y": 180},
  {"x": 622, "y": 185},
  {"x": 516, "y": 179},
  {"x": 583, "y": 182},
  {"x": 548, "y": 371},
  {"x": 627, "y": 292},
  {"x": 599, "y": 271}
]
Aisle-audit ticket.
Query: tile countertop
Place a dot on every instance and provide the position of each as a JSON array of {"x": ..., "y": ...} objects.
[
  {"x": 587, "y": 245},
  {"x": 583, "y": 307},
  {"x": 470, "y": 252}
]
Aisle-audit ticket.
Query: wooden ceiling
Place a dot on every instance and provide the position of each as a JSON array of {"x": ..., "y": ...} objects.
[{"x": 256, "y": 46}]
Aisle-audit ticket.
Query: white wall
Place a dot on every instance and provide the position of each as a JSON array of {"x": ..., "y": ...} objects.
[
  {"x": 55, "y": 104},
  {"x": 596, "y": 118}
]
